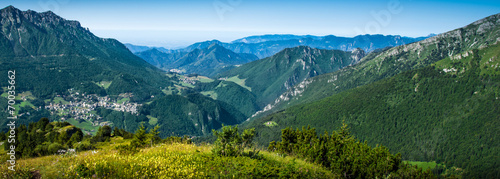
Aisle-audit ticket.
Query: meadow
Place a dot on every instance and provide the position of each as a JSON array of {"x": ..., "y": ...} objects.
[{"x": 175, "y": 160}]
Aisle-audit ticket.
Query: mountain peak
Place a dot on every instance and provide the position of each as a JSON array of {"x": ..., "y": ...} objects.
[
  {"x": 9, "y": 10},
  {"x": 214, "y": 46},
  {"x": 16, "y": 16}
]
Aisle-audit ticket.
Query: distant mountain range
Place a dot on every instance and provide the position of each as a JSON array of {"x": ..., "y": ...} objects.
[
  {"x": 207, "y": 61},
  {"x": 260, "y": 46},
  {"x": 268, "y": 45}
]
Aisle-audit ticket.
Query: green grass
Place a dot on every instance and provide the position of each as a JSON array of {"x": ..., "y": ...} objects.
[
  {"x": 239, "y": 81},
  {"x": 123, "y": 100},
  {"x": 205, "y": 79},
  {"x": 424, "y": 165},
  {"x": 59, "y": 100},
  {"x": 84, "y": 125},
  {"x": 104, "y": 84},
  {"x": 152, "y": 120},
  {"x": 186, "y": 85},
  {"x": 270, "y": 124},
  {"x": 211, "y": 94},
  {"x": 26, "y": 103},
  {"x": 19, "y": 96}
]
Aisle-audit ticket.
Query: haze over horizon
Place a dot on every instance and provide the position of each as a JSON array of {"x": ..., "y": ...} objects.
[{"x": 177, "y": 23}]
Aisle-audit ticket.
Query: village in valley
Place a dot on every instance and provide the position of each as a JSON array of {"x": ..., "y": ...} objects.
[{"x": 81, "y": 107}]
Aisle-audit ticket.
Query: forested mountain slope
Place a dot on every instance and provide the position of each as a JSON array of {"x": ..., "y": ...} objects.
[
  {"x": 269, "y": 77},
  {"x": 446, "y": 112},
  {"x": 379, "y": 65}
]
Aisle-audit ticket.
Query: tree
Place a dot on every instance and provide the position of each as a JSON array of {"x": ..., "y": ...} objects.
[
  {"x": 116, "y": 132},
  {"x": 153, "y": 136},
  {"x": 230, "y": 142},
  {"x": 103, "y": 134},
  {"x": 140, "y": 137},
  {"x": 76, "y": 137},
  {"x": 343, "y": 154},
  {"x": 42, "y": 123},
  {"x": 63, "y": 138}
]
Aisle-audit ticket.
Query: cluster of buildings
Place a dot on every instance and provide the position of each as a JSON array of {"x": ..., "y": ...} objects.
[{"x": 80, "y": 107}]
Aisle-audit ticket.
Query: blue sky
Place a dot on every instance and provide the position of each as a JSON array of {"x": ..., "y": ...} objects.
[{"x": 173, "y": 23}]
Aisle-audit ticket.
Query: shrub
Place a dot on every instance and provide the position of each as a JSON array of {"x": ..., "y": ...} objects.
[
  {"x": 230, "y": 142},
  {"x": 83, "y": 145},
  {"x": 344, "y": 155},
  {"x": 126, "y": 149},
  {"x": 54, "y": 147}
]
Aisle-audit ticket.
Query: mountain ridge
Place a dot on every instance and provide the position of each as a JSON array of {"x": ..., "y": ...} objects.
[
  {"x": 392, "y": 61},
  {"x": 269, "y": 76}
]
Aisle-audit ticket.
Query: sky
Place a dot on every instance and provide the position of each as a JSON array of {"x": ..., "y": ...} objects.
[{"x": 178, "y": 23}]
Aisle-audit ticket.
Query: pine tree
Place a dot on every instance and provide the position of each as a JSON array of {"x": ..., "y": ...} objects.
[
  {"x": 153, "y": 136},
  {"x": 140, "y": 137}
]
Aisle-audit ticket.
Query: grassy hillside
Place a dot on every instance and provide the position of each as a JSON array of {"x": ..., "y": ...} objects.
[
  {"x": 177, "y": 160},
  {"x": 118, "y": 154},
  {"x": 447, "y": 112}
]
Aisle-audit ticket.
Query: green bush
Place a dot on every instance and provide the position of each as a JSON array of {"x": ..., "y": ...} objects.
[
  {"x": 54, "y": 147},
  {"x": 83, "y": 145},
  {"x": 344, "y": 155},
  {"x": 230, "y": 142}
]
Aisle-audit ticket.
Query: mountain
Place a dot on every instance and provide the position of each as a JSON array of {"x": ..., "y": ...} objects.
[
  {"x": 269, "y": 45},
  {"x": 64, "y": 72},
  {"x": 139, "y": 48},
  {"x": 389, "y": 62},
  {"x": 269, "y": 77},
  {"x": 433, "y": 100},
  {"x": 273, "y": 37},
  {"x": 207, "y": 61},
  {"x": 194, "y": 115},
  {"x": 160, "y": 59},
  {"x": 447, "y": 112},
  {"x": 201, "y": 61},
  {"x": 231, "y": 93},
  {"x": 136, "y": 48},
  {"x": 55, "y": 54}
]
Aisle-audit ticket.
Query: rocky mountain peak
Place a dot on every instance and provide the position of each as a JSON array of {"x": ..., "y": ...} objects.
[
  {"x": 10, "y": 10},
  {"x": 12, "y": 15},
  {"x": 358, "y": 54}
]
